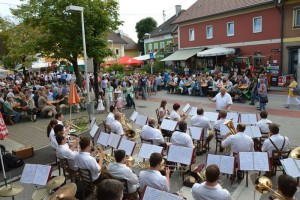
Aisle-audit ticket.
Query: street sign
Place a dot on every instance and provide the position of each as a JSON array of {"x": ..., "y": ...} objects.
[{"x": 151, "y": 56}]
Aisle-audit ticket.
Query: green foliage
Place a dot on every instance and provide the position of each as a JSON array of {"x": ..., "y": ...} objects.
[
  {"x": 116, "y": 67},
  {"x": 143, "y": 26},
  {"x": 158, "y": 67}
]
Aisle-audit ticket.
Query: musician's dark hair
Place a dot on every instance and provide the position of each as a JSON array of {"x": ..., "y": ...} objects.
[
  {"x": 287, "y": 185},
  {"x": 200, "y": 111},
  {"x": 182, "y": 125},
  {"x": 112, "y": 108},
  {"x": 110, "y": 189},
  {"x": 163, "y": 104},
  {"x": 155, "y": 159},
  {"x": 57, "y": 115},
  {"x": 119, "y": 155},
  {"x": 263, "y": 114},
  {"x": 274, "y": 128},
  {"x": 59, "y": 138},
  {"x": 223, "y": 114},
  {"x": 241, "y": 127},
  {"x": 52, "y": 123},
  {"x": 58, "y": 128},
  {"x": 84, "y": 142},
  {"x": 176, "y": 106},
  {"x": 212, "y": 173}
]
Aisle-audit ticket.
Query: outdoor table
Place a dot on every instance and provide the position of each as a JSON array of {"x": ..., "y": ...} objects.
[
  {"x": 173, "y": 84},
  {"x": 243, "y": 87},
  {"x": 54, "y": 101}
]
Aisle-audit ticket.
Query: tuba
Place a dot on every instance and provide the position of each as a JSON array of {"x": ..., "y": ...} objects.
[
  {"x": 230, "y": 126},
  {"x": 128, "y": 129},
  {"x": 264, "y": 185}
]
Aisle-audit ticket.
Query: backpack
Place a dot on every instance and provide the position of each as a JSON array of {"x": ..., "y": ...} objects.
[{"x": 10, "y": 161}]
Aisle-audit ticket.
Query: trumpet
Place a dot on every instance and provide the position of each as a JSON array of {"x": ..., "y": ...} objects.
[{"x": 264, "y": 185}]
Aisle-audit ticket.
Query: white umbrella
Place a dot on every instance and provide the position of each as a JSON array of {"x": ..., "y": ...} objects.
[{"x": 217, "y": 51}]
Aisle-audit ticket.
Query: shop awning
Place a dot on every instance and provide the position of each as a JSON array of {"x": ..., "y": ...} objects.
[
  {"x": 183, "y": 54},
  {"x": 217, "y": 51},
  {"x": 143, "y": 57}
]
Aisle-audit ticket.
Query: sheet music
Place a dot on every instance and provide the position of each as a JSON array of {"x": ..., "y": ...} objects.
[
  {"x": 193, "y": 111},
  {"x": 186, "y": 108},
  {"x": 291, "y": 167},
  {"x": 127, "y": 146},
  {"x": 94, "y": 130},
  {"x": 180, "y": 154},
  {"x": 134, "y": 116},
  {"x": 212, "y": 116},
  {"x": 233, "y": 116},
  {"x": 169, "y": 125},
  {"x": 103, "y": 139},
  {"x": 93, "y": 120},
  {"x": 41, "y": 174},
  {"x": 141, "y": 120},
  {"x": 155, "y": 194},
  {"x": 252, "y": 131},
  {"x": 147, "y": 149},
  {"x": 246, "y": 160},
  {"x": 195, "y": 132},
  {"x": 114, "y": 140},
  {"x": 213, "y": 160},
  {"x": 248, "y": 118},
  {"x": 261, "y": 161},
  {"x": 227, "y": 164},
  {"x": 28, "y": 173}
]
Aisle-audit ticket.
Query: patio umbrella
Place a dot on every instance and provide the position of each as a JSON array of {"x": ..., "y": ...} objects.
[
  {"x": 3, "y": 134},
  {"x": 108, "y": 63},
  {"x": 217, "y": 51},
  {"x": 126, "y": 60},
  {"x": 73, "y": 96}
]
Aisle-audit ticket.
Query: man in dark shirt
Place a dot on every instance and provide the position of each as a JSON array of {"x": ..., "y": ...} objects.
[{"x": 143, "y": 82}]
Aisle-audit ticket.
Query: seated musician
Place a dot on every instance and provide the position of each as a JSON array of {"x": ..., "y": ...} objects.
[
  {"x": 276, "y": 141},
  {"x": 110, "y": 189},
  {"x": 86, "y": 160},
  {"x": 263, "y": 123},
  {"x": 163, "y": 111},
  {"x": 58, "y": 129},
  {"x": 153, "y": 177},
  {"x": 149, "y": 132},
  {"x": 110, "y": 117},
  {"x": 119, "y": 170},
  {"x": 116, "y": 126},
  {"x": 174, "y": 115},
  {"x": 222, "y": 116},
  {"x": 181, "y": 137},
  {"x": 203, "y": 122},
  {"x": 63, "y": 151},
  {"x": 239, "y": 142},
  {"x": 210, "y": 189},
  {"x": 287, "y": 187}
]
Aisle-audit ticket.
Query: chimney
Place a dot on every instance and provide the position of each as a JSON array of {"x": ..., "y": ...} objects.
[{"x": 177, "y": 9}]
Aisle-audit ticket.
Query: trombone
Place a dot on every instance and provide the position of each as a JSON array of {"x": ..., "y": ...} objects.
[{"x": 264, "y": 185}]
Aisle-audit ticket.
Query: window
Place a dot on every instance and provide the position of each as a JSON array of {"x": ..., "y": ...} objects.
[
  {"x": 230, "y": 29},
  {"x": 117, "y": 52},
  {"x": 209, "y": 32},
  {"x": 155, "y": 46},
  {"x": 162, "y": 45},
  {"x": 191, "y": 35},
  {"x": 297, "y": 17},
  {"x": 257, "y": 24},
  {"x": 150, "y": 47}
]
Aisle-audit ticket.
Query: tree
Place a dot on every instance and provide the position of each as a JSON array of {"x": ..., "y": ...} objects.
[
  {"x": 143, "y": 26},
  {"x": 62, "y": 31}
]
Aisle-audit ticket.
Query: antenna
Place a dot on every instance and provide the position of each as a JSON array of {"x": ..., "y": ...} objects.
[{"x": 164, "y": 15}]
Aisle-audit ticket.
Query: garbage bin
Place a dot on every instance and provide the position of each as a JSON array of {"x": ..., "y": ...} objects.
[{"x": 274, "y": 81}]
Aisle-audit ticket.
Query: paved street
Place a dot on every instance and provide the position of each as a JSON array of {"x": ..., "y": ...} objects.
[{"x": 30, "y": 133}]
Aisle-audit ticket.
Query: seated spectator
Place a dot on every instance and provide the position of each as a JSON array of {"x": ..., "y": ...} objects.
[
  {"x": 45, "y": 106},
  {"x": 8, "y": 109}
]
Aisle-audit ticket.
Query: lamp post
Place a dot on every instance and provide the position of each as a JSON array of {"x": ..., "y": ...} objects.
[
  {"x": 152, "y": 61},
  {"x": 112, "y": 46},
  {"x": 80, "y": 9}
]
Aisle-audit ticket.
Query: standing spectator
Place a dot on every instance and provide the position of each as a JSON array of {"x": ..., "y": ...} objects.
[
  {"x": 104, "y": 82},
  {"x": 254, "y": 89},
  {"x": 143, "y": 82},
  {"x": 129, "y": 95},
  {"x": 186, "y": 71},
  {"x": 109, "y": 96},
  {"x": 262, "y": 91},
  {"x": 291, "y": 95}
]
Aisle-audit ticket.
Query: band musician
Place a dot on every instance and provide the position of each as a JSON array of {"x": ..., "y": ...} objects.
[
  {"x": 174, "y": 115},
  {"x": 111, "y": 115},
  {"x": 116, "y": 126}
]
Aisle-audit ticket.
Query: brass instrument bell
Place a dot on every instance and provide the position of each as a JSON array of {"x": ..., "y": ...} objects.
[
  {"x": 230, "y": 126},
  {"x": 264, "y": 185},
  {"x": 295, "y": 153}
]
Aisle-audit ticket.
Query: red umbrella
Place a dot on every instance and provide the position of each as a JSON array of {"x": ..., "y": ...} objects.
[
  {"x": 73, "y": 96},
  {"x": 126, "y": 60},
  {"x": 108, "y": 63},
  {"x": 3, "y": 129}
]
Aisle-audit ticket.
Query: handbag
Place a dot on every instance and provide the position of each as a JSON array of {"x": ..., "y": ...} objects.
[
  {"x": 263, "y": 99},
  {"x": 296, "y": 91}
]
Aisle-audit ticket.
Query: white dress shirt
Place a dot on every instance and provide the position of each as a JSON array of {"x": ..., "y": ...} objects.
[
  {"x": 263, "y": 125},
  {"x": 110, "y": 118},
  {"x": 153, "y": 178},
  {"x": 121, "y": 171},
  {"x": 150, "y": 133},
  {"x": 278, "y": 141},
  {"x": 182, "y": 139},
  {"x": 161, "y": 109},
  {"x": 202, "y": 122},
  {"x": 218, "y": 123},
  {"x": 239, "y": 142},
  {"x": 204, "y": 192},
  {"x": 222, "y": 101},
  {"x": 175, "y": 116},
  {"x": 116, "y": 127},
  {"x": 84, "y": 160},
  {"x": 63, "y": 151}
]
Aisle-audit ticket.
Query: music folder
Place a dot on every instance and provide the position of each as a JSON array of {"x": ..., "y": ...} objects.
[
  {"x": 127, "y": 145},
  {"x": 253, "y": 131},
  {"x": 141, "y": 120},
  {"x": 134, "y": 116},
  {"x": 114, "y": 140},
  {"x": 180, "y": 154},
  {"x": 186, "y": 108},
  {"x": 147, "y": 149},
  {"x": 212, "y": 116},
  {"x": 193, "y": 111},
  {"x": 291, "y": 167},
  {"x": 234, "y": 116},
  {"x": 169, "y": 125},
  {"x": 36, "y": 174},
  {"x": 195, "y": 132},
  {"x": 248, "y": 118},
  {"x": 94, "y": 130},
  {"x": 155, "y": 194},
  {"x": 256, "y": 161},
  {"x": 225, "y": 163},
  {"x": 103, "y": 138}
]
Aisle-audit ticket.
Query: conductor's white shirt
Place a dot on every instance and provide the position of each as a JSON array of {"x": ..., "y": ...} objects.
[
  {"x": 201, "y": 121},
  {"x": 278, "y": 141},
  {"x": 116, "y": 127},
  {"x": 84, "y": 160},
  {"x": 239, "y": 142},
  {"x": 182, "y": 139},
  {"x": 150, "y": 133},
  {"x": 153, "y": 178},
  {"x": 121, "y": 171},
  {"x": 222, "y": 101},
  {"x": 110, "y": 118},
  {"x": 263, "y": 125},
  {"x": 63, "y": 151},
  {"x": 174, "y": 116}
]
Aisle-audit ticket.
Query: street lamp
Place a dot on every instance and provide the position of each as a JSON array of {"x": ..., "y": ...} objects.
[{"x": 80, "y": 9}]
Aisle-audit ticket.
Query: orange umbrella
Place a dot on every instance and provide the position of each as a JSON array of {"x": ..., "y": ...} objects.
[{"x": 73, "y": 95}]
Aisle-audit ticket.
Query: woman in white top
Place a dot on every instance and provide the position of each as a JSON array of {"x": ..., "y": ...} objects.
[
  {"x": 50, "y": 128},
  {"x": 163, "y": 111}
]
